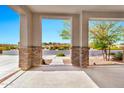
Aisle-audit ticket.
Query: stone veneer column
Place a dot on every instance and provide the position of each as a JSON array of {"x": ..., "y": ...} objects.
[
  {"x": 29, "y": 57},
  {"x": 84, "y": 62},
  {"x": 36, "y": 55},
  {"x": 36, "y": 40},
  {"x": 25, "y": 52},
  {"x": 84, "y": 50},
  {"x": 25, "y": 57},
  {"x": 75, "y": 55}
]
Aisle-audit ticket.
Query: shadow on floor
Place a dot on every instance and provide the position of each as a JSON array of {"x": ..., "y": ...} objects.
[
  {"x": 56, "y": 68},
  {"x": 107, "y": 76}
]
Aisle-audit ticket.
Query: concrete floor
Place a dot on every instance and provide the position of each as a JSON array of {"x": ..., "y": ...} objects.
[
  {"x": 107, "y": 76},
  {"x": 53, "y": 76},
  {"x": 60, "y": 75},
  {"x": 8, "y": 64}
]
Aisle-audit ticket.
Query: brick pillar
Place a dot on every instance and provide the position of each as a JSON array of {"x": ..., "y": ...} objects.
[
  {"x": 25, "y": 56},
  {"x": 36, "y": 55},
  {"x": 84, "y": 57},
  {"x": 75, "y": 55}
]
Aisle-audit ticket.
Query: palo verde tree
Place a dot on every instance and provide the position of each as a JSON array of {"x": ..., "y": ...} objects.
[
  {"x": 104, "y": 35},
  {"x": 65, "y": 34}
]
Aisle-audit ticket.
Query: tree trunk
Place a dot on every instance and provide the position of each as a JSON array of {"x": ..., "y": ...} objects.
[
  {"x": 109, "y": 54},
  {"x": 105, "y": 50},
  {"x": 103, "y": 54}
]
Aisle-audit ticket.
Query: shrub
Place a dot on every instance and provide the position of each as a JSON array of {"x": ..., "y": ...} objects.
[
  {"x": 61, "y": 48},
  {"x": 64, "y": 47},
  {"x": 2, "y": 48},
  {"x": 52, "y": 48},
  {"x": 115, "y": 48},
  {"x": 112, "y": 54},
  {"x": 7, "y": 48},
  {"x": 60, "y": 54},
  {"x": 118, "y": 56}
]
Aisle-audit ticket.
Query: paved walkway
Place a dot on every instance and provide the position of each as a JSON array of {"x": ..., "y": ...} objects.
[
  {"x": 54, "y": 76},
  {"x": 57, "y": 61}
]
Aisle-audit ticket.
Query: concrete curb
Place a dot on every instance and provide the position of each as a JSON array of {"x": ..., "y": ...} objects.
[
  {"x": 8, "y": 75},
  {"x": 9, "y": 79}
]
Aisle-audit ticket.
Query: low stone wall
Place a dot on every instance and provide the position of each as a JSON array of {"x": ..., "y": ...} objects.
[
  {"x": 10, "y": 52},
  {"x": 54, "y": 52}
]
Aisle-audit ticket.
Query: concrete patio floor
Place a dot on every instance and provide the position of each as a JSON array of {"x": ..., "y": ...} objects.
[
  {"x": 107, "y": 76},
  {"x": 52, "y": 76}
]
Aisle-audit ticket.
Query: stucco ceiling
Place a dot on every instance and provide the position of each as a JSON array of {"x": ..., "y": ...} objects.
[{"x": 74, "y": 9}]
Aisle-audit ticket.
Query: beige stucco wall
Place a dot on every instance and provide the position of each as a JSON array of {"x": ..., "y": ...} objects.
[
  {"x": 76, "y": 30},
  {"x": 25, "y": 24},
  {"x": 36, "y": 34}
]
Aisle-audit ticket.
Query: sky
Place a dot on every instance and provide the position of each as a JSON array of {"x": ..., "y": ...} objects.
[
  {"x": 10, "y": 27},
  {"x": 51, "y": 29}
]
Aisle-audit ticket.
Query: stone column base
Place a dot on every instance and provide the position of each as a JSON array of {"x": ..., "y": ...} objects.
[
  {"x": 75, "y": 55},
  {"x": 84, "y": 57},
  {"x": 25, "y": 56},
  {"x": 36, "y": 55},
  {"x": 29, "y": 57}
]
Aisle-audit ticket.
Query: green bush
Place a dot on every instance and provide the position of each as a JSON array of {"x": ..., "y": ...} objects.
[
  {"x": 2, "y": 48},
  {"x": 60, "y": 54},
  {"x": 115, "y": 48},
  {"x": 52, "y": 48},
  {"x": 7, "y": 48},
  {"x": 112, "y": 54},
  {"x": 118, "y": 56},
  {"x": 14, "y": 47},
  {"x": 64, "y": 47},
  {"x": 61, "y": 48}
]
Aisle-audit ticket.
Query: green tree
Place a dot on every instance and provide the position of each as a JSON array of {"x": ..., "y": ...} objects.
[
  {"x": 65, "y": 34},
  {"x": 104, "y": 35}
]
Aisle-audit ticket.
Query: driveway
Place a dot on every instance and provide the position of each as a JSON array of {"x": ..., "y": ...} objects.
[
  {"x": 8, "y": 64},
  {"x": 107, "y": 76}
]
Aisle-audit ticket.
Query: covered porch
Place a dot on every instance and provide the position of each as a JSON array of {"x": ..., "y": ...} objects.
[{"x": 30, "y": 46}]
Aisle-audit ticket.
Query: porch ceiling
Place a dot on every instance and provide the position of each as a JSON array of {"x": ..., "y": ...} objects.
[{"x": 74, "y": 9}]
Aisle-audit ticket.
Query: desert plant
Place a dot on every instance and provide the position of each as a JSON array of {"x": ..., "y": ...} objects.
[
  {"x": 60, "y": 54},
  {"x": 112, "y": 54},
  {"x": 118, "y": 56}
]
